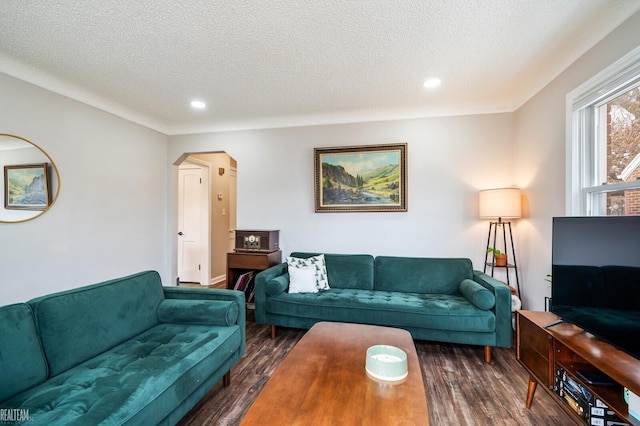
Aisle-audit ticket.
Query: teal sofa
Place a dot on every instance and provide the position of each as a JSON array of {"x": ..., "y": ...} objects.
[
  {"x": 434, "y": 299},
  {"x": 123, "y": 352}
]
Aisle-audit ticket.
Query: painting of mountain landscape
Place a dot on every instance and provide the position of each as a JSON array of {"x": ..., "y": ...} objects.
[{"x": 361, "y": 178}]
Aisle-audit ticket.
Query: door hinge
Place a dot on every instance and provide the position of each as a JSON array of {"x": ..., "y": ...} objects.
[
  {"x": 200, "y": 180},
  {"x": 198, "y": 267}
]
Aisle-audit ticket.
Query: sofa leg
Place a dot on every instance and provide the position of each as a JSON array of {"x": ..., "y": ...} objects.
[
  {"x": 226, "y": 380},
  {"x": 273, "y": 331},
  {"x": 487, "y": 354}
]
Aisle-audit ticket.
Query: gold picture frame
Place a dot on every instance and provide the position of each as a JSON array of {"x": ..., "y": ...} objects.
[{"x": 364, "y": 178}]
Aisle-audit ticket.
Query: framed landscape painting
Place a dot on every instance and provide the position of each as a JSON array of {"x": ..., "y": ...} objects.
[
  {"x": 26, "y": 187},
  {"x": 368, "y": 178}
]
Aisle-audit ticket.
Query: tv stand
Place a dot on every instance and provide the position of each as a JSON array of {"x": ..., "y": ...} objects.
[{"x": 543, "y": 350}]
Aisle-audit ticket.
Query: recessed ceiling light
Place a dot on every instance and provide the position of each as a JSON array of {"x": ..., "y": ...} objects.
[
  {"x": 198, "y": 104},
  {"x": 431, "y": 83}
]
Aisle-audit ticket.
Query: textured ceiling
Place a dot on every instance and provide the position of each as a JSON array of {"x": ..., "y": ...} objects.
[{"x": 297, "y": 62}]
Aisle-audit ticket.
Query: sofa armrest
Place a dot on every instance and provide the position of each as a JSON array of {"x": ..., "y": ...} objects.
[
  {"x": 480, "y": 296},
  {"x": 502, "y": 308},
  {"x": 260, "y": 285},
  {"x": 277, "y": 285},
  {"x": 195, "y": 294}
]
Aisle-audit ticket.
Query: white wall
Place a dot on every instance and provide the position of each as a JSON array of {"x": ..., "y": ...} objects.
[
  {"x": 449, "y": 160},
  {"x": 110, "y": 217},
  {"x": 114, "y": 210},
  {"x": 540, "y": 155}
]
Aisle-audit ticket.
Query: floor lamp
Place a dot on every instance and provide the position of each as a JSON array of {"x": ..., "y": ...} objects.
[{"x": 501, "y": 203}]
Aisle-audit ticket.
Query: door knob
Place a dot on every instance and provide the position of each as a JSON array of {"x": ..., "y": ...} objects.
[{"x": 180, "y": 233}]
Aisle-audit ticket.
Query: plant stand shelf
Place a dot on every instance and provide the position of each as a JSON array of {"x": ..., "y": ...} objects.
[{"x": 507, "y": 243}]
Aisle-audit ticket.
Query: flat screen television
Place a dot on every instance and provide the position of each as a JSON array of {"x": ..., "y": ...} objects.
[{"x": 596, "y": 277}]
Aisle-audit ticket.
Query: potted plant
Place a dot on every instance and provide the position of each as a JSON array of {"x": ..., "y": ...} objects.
[{"x": 499, "y": 258}]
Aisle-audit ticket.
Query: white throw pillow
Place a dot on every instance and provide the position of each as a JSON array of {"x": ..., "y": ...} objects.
[
  {"x": 320, "y": 268},
  {"x": 302, "y": 280}
]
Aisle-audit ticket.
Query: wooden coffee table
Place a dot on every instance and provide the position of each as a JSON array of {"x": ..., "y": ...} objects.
[{"x": 323, "y": 382}]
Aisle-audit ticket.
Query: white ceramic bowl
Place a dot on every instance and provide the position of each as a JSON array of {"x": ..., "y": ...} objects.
[{"x": 386, "y": 362}]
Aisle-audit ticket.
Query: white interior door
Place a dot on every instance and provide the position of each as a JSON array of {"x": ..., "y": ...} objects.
[{"x": 190, "y": 211}]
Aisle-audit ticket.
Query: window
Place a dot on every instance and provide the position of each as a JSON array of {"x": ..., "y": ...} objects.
[{"x": 603, "y": 130}]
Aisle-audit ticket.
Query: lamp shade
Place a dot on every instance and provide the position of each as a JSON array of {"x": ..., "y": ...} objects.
[{"x": 500, "y": 203}]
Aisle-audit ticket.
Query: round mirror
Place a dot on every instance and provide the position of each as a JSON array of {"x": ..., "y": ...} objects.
[{"x": 30, "y": 179}]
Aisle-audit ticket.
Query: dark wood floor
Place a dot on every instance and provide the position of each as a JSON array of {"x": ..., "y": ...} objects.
[{"x": 461, "y": 388}]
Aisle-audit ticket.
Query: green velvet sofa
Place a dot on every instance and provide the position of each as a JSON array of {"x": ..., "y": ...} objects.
[
  {"x": 123, "y": 352},
  {"x": 435, "y": 299}
]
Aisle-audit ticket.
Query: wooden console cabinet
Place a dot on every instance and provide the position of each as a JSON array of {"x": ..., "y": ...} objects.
[
  {"x": 543, "y": 350},
  {"x": 241, "y": 262}
]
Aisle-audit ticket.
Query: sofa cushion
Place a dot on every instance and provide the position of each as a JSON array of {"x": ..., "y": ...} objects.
[
  {"x": 78, "y": 324},
  {"x": 395, "y": 309},
  {"x": 302, "y": 279},
  {"x": 421, "y": 275},
  {"x": 22, "y": 362},
  {"x": 205, "y": 312},
  {"x": 137, "y": 382},
  {"x": 346, "y": 270},
  {"x": 318, "y": 266},
  {"x": 475, "y": 293}
]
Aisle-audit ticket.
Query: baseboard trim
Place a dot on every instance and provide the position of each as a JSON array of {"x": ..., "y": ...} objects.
[{"x": 218, "y": 279}]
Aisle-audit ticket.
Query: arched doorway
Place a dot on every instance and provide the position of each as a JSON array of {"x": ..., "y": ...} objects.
[{"x": 216, "y": 204}]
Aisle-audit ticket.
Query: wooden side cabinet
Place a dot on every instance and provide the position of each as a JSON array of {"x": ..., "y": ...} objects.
[
  {"x": 544, "y": 351},
  {"x": 240, "y": 262},
  {"x": 535, "y": 351}
]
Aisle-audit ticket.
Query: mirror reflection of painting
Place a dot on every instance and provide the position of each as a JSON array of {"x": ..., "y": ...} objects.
[
  {"x": 27, "y": 186},
  {"x": 29, "y": 180}
]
